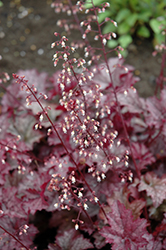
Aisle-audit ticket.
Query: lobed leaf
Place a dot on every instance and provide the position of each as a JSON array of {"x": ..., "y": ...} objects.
[{"x": 123, "y": 232}]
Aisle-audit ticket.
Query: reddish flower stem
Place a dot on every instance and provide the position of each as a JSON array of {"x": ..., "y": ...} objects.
[
  {"x": 24, "y": 82},
  {"x": 75, "y": 196},
  {"x": 160, "y": 79},
  {"x": 14, "y": 237},
  {"x": 116, "y": 98},
  {"x": 89, "y": 133},
  {"x": 81, "y": 29}
]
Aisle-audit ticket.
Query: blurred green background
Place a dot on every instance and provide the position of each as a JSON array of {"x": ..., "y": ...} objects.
[{"x": 135, "y": 18}]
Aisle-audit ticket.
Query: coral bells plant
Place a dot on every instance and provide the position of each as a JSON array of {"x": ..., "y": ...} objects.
[{"x": 82, "y": 155}]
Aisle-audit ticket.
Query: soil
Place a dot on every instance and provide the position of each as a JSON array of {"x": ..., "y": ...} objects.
[{"x": 27, "y": 31}]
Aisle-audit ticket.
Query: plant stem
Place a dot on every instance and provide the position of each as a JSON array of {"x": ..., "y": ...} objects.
[
  {"x": 24, "y": 82},
  {"x": 116, "y": 98},
  {"x": 160, "y": 78},
  {"x": 14, "y": 237}
]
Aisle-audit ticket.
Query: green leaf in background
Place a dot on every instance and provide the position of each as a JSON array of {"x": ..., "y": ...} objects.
[
  {"x": 160, "y": 8},
  {"x": 131, "y": 20},
  {"x": 125, "y": 40},
  {"x": 109, "y": 27},
  {"x": 112, "y": 44},
  {"x": 124, "y": 53},
  {"x": 134, "y": 17},
  {"x": 158, "y": 39},
  {"x": 134, "y": 4},
  {"x": 88, "y": 4},
  {"x": 122, "y": 15},
  {"x": 144, "y": 16},
  {"x": 1, "y": 4},
  {"x": 154, "y": 24},
  {"x": 123, "y": 28},
  {"x": 143, "y": 31},
  {"x": 102, "y": 16}
]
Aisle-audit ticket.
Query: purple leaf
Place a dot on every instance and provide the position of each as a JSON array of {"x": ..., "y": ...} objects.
[
  {"x": 155, "y": 187},
  {"x": 73, "y": 241},
  {"x": 123, "y": 231}
]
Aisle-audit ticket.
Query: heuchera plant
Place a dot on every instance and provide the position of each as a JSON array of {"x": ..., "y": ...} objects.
[{"x": 82, "y": 155}]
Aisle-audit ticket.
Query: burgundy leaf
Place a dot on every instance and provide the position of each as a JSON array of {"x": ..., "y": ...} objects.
[
  {"x": 156, "y": 108},
  {"x": 131, "y": 102},
  {"x": 120, "y": 77},
  {"x": 15, "y": 97},
  {"x": 123, "y": 231},
  {"x": 142, "y": 155},
  {"x": 18, "y": 228},
  {"x": 155, "y": 187},
  {"x": 71, "y": 240},
  {"x": 11, "y": 205}
]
